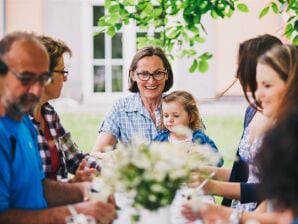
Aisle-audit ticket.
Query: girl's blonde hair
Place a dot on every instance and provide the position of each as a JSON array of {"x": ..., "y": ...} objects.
[{"x": 190, "y": 105}]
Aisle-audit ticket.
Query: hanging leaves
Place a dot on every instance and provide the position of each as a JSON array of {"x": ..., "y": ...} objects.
[
  {"x": 289, "y": 7},
  {"x": 164, "y": 17}
]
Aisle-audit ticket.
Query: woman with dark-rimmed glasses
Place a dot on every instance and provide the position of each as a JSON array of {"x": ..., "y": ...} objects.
[
  {"x": 150, "y": 75},
  {"x": 59, "y": 153}
]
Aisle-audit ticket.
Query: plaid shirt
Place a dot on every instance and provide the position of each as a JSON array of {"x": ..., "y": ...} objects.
[
  {"x": 128, "y": 118},
  {"x": 70, "y": 155}
]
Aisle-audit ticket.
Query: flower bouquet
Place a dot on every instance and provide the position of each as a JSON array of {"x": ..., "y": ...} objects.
[{"x": 151, "y": 173}]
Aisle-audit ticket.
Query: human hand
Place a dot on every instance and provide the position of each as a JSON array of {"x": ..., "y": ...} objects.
[
  {"x": 209, "y": 213},
  {"x": 104, "y": 213},
  {"x": 105, "y": 157},
  {"x": 84, "y": 173},
  {"x": 189, "y": 213},
  {"x": 201, "y": 181},
  {"x": 194, "y": 179}
]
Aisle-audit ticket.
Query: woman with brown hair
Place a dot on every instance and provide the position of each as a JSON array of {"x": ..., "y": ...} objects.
[
  {"x": 237, "y": 185},
  {"x": 59, "y": 153},
  {"x": 277, "y": 79},
  {"x": 150, "y": 75}
]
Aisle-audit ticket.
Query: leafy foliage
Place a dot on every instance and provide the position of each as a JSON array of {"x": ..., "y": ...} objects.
[
  {"x": 291, "y": 8},
  {"x": 178, "y": 23}
]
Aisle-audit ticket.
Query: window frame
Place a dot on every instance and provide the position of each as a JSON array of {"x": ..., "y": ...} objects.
[{"x": 108, "y": 61}]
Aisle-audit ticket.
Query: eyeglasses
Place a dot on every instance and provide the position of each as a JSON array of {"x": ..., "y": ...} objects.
[
  {"x": 30, "y": 78},
  {"x": 157, "y": 75},
  {"x": 63, "y": 72}
]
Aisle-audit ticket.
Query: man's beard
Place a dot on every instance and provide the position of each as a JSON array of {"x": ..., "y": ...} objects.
[{"x": 23, "y": 106}]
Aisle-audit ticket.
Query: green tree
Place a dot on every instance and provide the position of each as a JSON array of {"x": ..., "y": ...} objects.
[
  {"x": 290, "y": 7},
  {"x": 177, "y": 22}
]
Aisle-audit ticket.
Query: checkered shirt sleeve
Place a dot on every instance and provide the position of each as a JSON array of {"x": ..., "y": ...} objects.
[{"x": 70, "y": 155}]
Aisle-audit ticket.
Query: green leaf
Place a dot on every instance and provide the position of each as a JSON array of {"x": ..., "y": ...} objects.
[
  {"x": 295, "y": 40},
  {"x": 108, "y": 3},
  {"x": 214, "y": 14},
  {"x": 206, "y": 56},
  {"x": 148, "y": 9},
  {"x": 194, "y": 66},
  {"x": 242, "y": 7},
  {"x": 296, "y": 25},
  {"x": 101, "y": 22},
  {"x": 157, "y": 12},
  {"x": 289, "y": 30},
  {"x": 291, "y": 18},
  {"x": 128, "y": 2},
  {"x": 114, "y": 9},
  {"x": 274, "y": 8},
  {"x": 111, "y": 31},
  {"x": 118, "y": 26},
  {"x": 203, "y": 66},
  {"x": 200, "y": 39},
  {"x": 264, "y": 12}
]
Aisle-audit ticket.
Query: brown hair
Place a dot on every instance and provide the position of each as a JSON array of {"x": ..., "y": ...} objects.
[
  {"x": 56, "y": 48},
  {"x": 9, "y": 39},
  {"x": 147, "y": 52},
  {"x": 190, "y": 106},
  {"x": 278, "y": 182},
  {"x": 248, "y": 54},
  {"x": 283, "y": 60}
]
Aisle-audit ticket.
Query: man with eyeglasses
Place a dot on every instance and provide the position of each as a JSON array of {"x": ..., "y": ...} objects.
[{"x": 25, "y": 196}]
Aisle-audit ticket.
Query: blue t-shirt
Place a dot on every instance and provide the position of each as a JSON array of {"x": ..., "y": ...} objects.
[{"x": 21, "y": 171}]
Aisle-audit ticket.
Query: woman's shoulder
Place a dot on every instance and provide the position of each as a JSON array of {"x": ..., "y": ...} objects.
[{"x": 128, "y": 103}]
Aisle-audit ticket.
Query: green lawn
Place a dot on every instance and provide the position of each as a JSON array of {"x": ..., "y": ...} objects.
[{"x": 224, "y": 130}]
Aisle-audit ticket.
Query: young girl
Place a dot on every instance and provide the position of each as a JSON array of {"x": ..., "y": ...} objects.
[
  {"x": 182, "y": 124},
  {"x": 179, "y": 109}
]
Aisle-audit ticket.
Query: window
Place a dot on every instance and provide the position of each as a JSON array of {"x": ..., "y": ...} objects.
[{"x": 107, "y": 58}]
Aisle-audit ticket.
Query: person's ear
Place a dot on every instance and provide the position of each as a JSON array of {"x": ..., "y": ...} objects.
[
  {"x": 3, "y": 68},
  {"x": 191, "y": 119},
  {"x": 132, "y": 77}
]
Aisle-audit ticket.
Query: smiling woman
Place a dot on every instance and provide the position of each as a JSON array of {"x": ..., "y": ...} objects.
[{"x": 150, "y": 75}]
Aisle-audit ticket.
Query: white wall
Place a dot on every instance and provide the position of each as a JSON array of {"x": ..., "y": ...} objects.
[
  {"x": 232, "y": 31},
  {"x": 201, "y": 85},
  {"x": 24, "y": 15},
  {"x": 63, "y": 19}
]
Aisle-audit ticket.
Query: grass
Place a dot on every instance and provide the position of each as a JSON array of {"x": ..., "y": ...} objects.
[{"x": 224, "y": 130}]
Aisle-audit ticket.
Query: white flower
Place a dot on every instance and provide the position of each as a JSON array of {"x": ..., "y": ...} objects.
[
  {"x": 182, "y": 131},
  {"x": 151, "y": 174}
]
